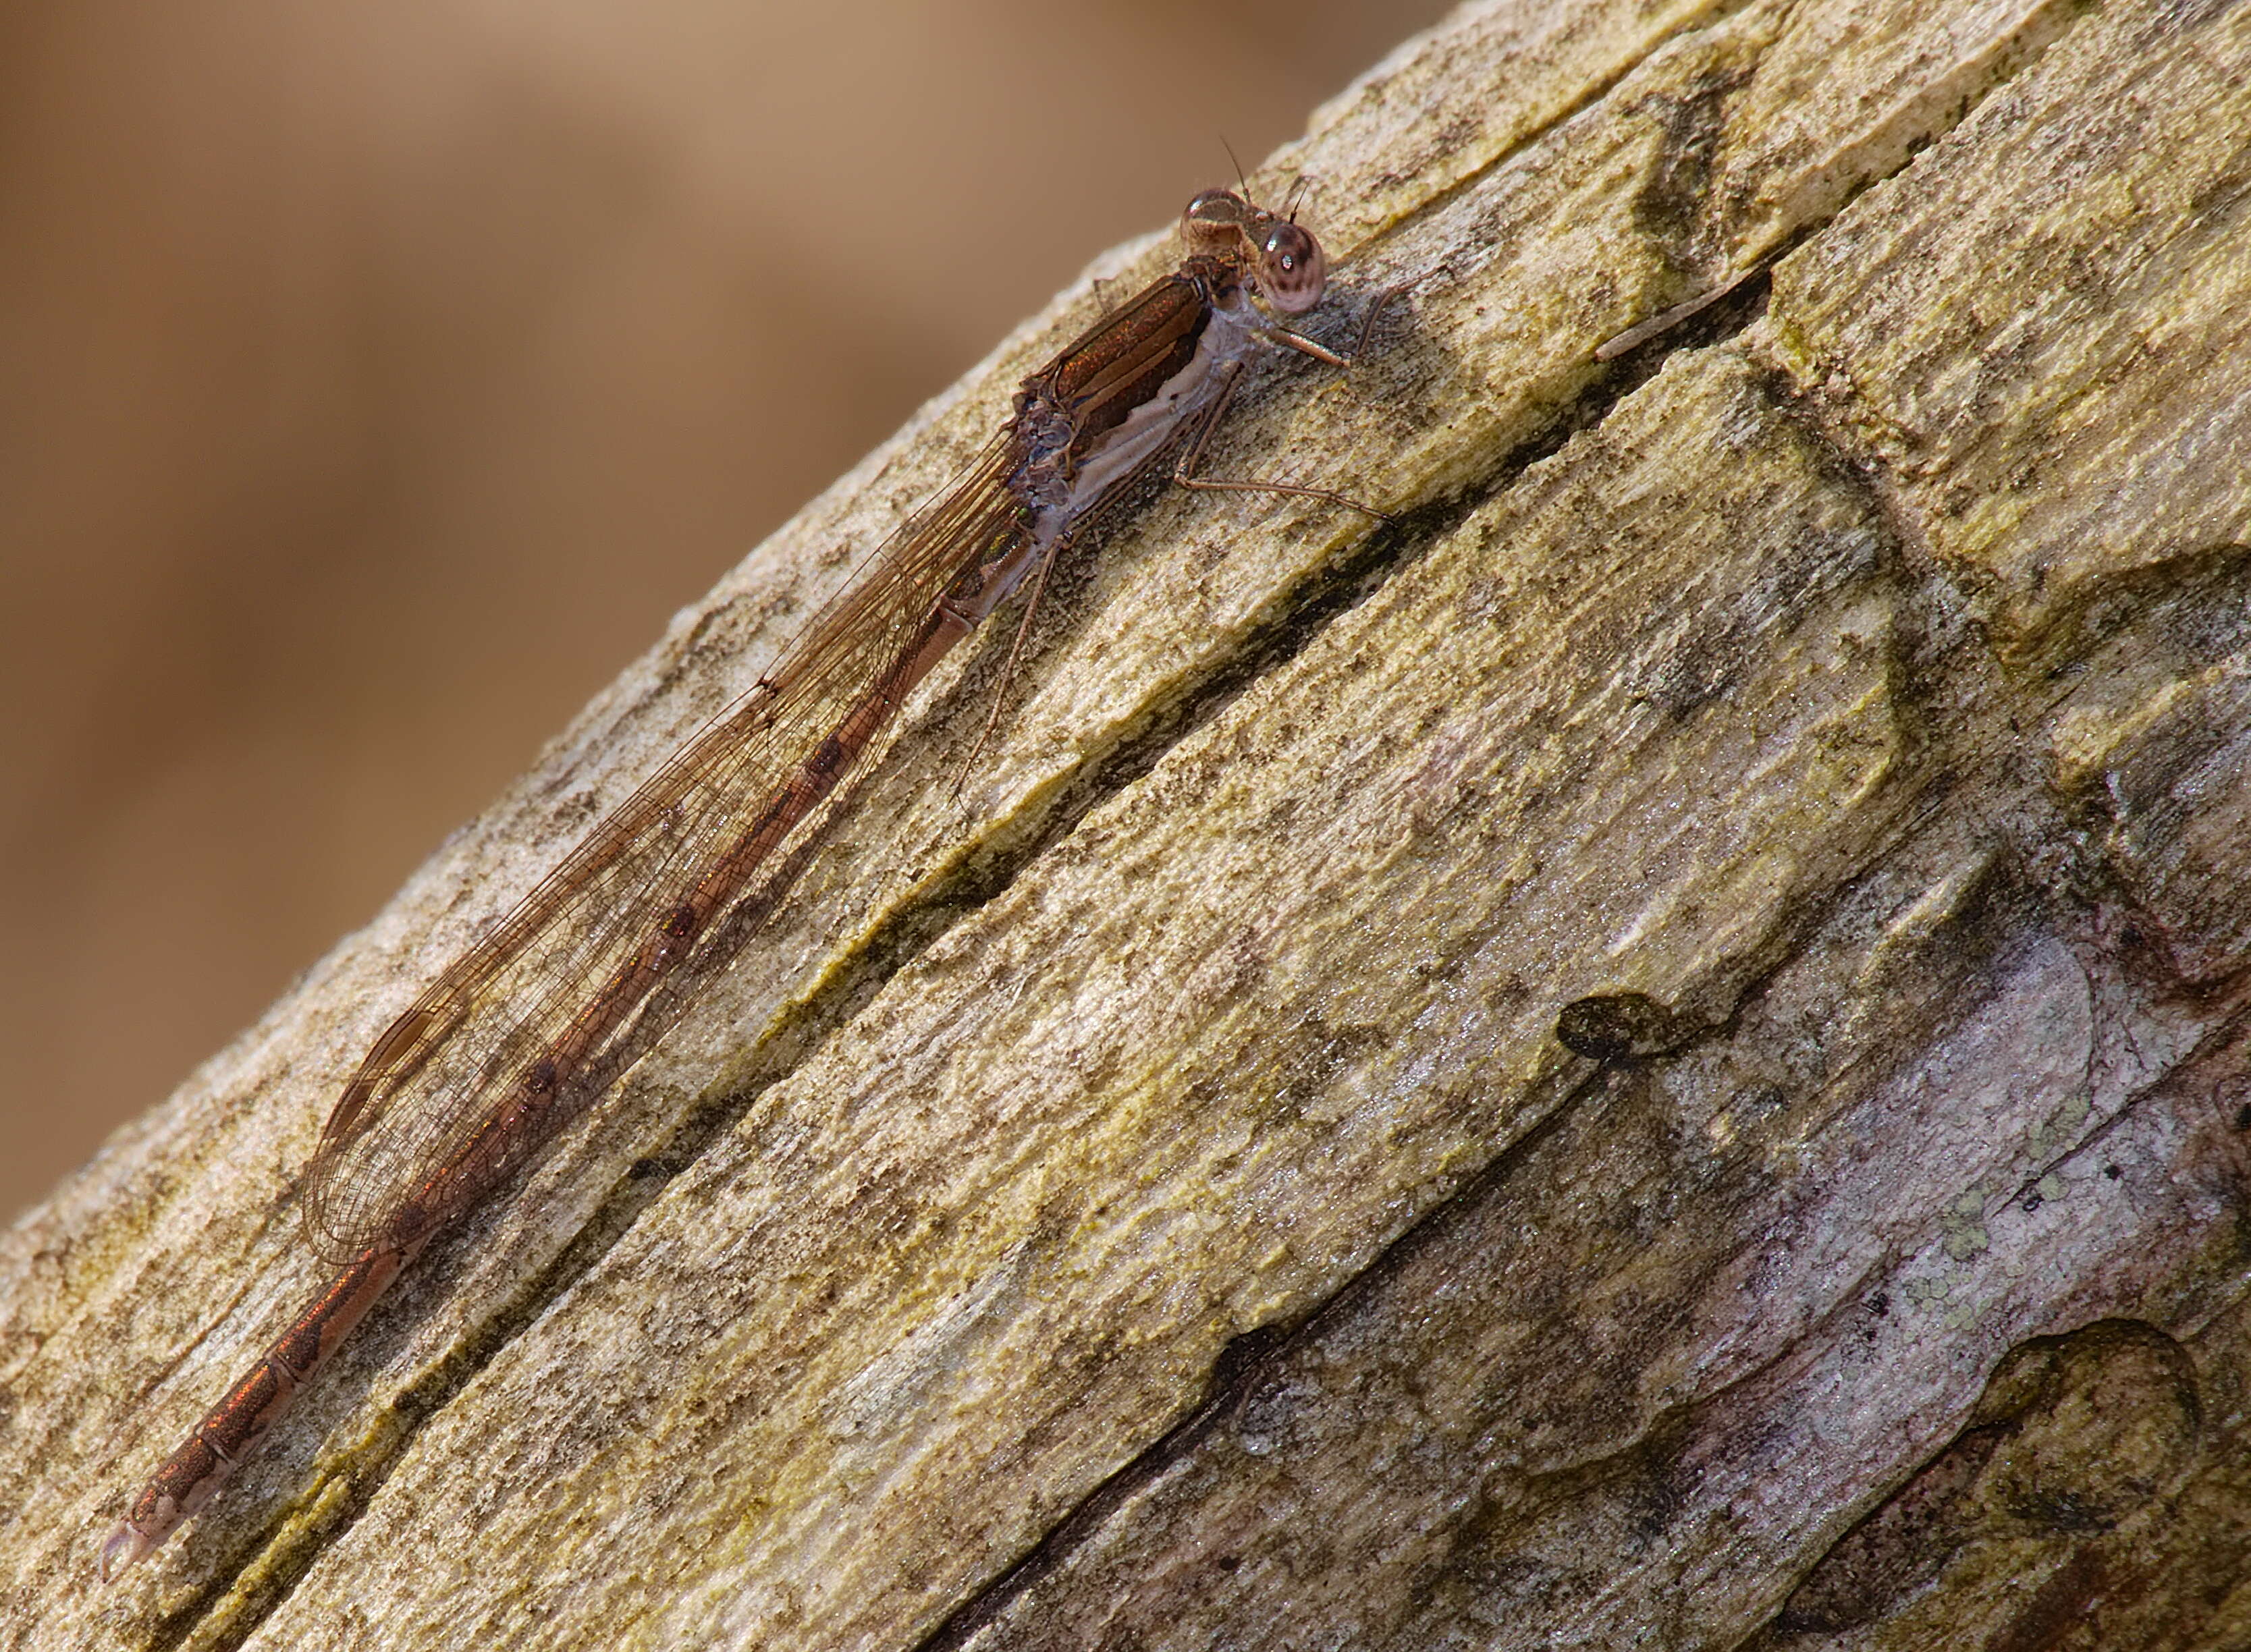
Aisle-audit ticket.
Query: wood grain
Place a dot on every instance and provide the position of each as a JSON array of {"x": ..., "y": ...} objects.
[{"x": 1144, "y": 1201}]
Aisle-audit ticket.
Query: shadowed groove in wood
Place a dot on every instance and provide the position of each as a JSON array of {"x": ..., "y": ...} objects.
[
  {"x": 1597, "y": 90},
  {"x": 1241, "y": 1366},
  {"x": 1901, "y": 1547}
]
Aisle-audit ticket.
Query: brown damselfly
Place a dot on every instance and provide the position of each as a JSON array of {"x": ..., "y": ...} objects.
[{"x": 505, "y": 1047}]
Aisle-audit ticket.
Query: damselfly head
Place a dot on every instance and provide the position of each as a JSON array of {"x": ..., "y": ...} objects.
[
  {"x": 1216, "y": 223},
  {"x": 1284, "y": 258}
]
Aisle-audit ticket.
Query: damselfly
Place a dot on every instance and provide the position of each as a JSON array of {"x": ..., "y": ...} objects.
[{"x": 503, "y": 1049}]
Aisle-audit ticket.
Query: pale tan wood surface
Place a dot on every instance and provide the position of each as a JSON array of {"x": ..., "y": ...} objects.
[{"x": 1144, "y": 1201}]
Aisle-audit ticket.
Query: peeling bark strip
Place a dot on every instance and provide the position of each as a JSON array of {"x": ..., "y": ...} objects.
[{"x": 1166, "y": 1217}]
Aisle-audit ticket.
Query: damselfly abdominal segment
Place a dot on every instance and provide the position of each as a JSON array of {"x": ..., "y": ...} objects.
[{"x": 504, "y": 1048}]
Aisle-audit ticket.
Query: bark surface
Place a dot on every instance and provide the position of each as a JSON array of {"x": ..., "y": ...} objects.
[{"x": 1656, "y": 1053}]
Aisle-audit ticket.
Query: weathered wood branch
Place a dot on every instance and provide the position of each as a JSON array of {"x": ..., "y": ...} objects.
[{"x": 1146, "y": 1202}]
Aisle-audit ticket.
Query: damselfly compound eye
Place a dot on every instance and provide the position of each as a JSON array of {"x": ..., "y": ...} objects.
[{"x": 1292, "y": 272}]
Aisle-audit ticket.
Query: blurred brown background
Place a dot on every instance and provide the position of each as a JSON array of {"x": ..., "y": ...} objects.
[{"x": 376, "y": 378}]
